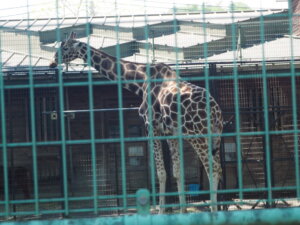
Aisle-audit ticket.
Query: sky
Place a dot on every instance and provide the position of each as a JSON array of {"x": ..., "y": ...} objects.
[{"x": 47, "y": 8}]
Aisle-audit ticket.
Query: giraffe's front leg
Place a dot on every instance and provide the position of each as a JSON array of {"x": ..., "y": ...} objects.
[
  {"x": 159, "y": 160},
  {"x": 201, "y": 148},
  {"x": 161, "y": 174},
  {"x": 217, "y": 173},
  {"x": 173, "y": 145}
]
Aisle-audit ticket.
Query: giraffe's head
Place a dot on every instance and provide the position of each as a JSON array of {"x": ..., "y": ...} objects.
[{"x": 68, "y": 50}]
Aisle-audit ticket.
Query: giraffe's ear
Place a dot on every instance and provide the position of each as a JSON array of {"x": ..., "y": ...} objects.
[{"x": 76, "y": 45}]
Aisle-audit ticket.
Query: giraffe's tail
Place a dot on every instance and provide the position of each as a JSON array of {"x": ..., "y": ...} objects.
[
  {"x": 217, "y": 129},
  {"x": 216, "y": 141}
]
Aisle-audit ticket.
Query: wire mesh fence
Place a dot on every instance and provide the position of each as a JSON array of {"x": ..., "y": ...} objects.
[{"x": 81, "y": 137}]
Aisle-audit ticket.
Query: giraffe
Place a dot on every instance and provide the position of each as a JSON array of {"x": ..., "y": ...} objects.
[{"x": 164, "y": 91}]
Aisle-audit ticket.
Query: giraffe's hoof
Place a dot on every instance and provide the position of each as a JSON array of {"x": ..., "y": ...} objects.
[
  {"x": 161, "y": 211},
  {"x": 183, "y": 210},
  {"x": 214, "y": 208}
]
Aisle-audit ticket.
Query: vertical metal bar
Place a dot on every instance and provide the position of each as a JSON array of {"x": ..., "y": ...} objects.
[
  {"x": 32, "y": 122},
  {"x": 11, "y": 166},
  {"x": 207, "y": 106},
  {"x": 92, "y": 116},
  {"x": 120, "y": 106},
  {"x": 265, "y": 107},
  {"x": 149, "y": 102},
  {"x": 294, "y": 99},
  {"x": 179, "y": 114},
  {"x": 236, "y": 105},
  {"x": 44, "y": 118},
  {"x": 62, "y": 119},
  {"x": 4, "y": 137},
  {"x": 69, "y": 137}
]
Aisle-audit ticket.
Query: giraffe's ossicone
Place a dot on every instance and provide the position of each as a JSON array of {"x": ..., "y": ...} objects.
[{"x": 178, "y": 108}]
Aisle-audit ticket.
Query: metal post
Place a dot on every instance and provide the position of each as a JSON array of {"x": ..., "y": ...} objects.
[
  {"x": 11, "y": 167},
  {"x": 143, "y": 201}
]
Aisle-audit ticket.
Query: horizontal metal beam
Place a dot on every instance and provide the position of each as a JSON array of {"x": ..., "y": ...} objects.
[
  {"x": 100, "y": 110},
  {"x": 265, "y": 216},
  {"x": 71, "y": 113},
  {"x": 93, "y": 110}
]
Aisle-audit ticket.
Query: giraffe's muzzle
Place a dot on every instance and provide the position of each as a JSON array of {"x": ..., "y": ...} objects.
[{"x": 53, "y": 65}]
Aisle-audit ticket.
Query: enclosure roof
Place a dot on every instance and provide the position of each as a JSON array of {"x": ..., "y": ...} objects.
[
  {"x": 19, "y": 59},
  {"x": 96, "y": 41},
  {"x": 184, "y": 39},
  {"x": 180, "y": 40},
  {"x": 132, "y": 21},
  {"x": 279, "y": 49}
]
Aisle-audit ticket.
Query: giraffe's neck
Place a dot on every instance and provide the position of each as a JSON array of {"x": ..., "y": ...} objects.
[{"x": 107, "y": 65}]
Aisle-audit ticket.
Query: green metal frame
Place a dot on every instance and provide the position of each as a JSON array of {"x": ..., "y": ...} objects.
[
  {"x": 267, "y": 216},
  {"x": 144, "y": 198}
]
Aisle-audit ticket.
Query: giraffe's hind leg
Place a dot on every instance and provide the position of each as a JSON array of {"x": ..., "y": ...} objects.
[
  {"x": 173, "y": 146},
  {"x": 161, "y": 174},
  {"x": 160, "y": 167},
  {"x": 200, "y": 145}
]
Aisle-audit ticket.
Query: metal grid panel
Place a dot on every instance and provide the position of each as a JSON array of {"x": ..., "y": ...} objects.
[{"x": 85, "y": 148}]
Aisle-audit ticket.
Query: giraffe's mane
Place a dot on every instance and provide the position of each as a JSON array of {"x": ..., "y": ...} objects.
[
  {"x": 157, "y": 75},
  {"x": 114, "y": 57}
]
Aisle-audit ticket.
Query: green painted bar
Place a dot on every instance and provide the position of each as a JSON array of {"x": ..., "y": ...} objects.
[
  {"x": 129, "y": 139},
  {"x": 294, "y": 101},
  {"x": 61, "y": 108},
  {"x": 207, "y": 87},
  {"x": 92, "y": 124},
  {"x": 236, "y": 105},
  {"x": 121, "y": 115},
  {"x": 149, "y": 101},
  {"x": 266, "y": 113},
  {"x": 33, "y": 124},
  {"x": 101, "y": 83},
  {"x": 4, "y": 141},
  {"x": 140, "y": 139},
  {"x": 179, "y": 110}
]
